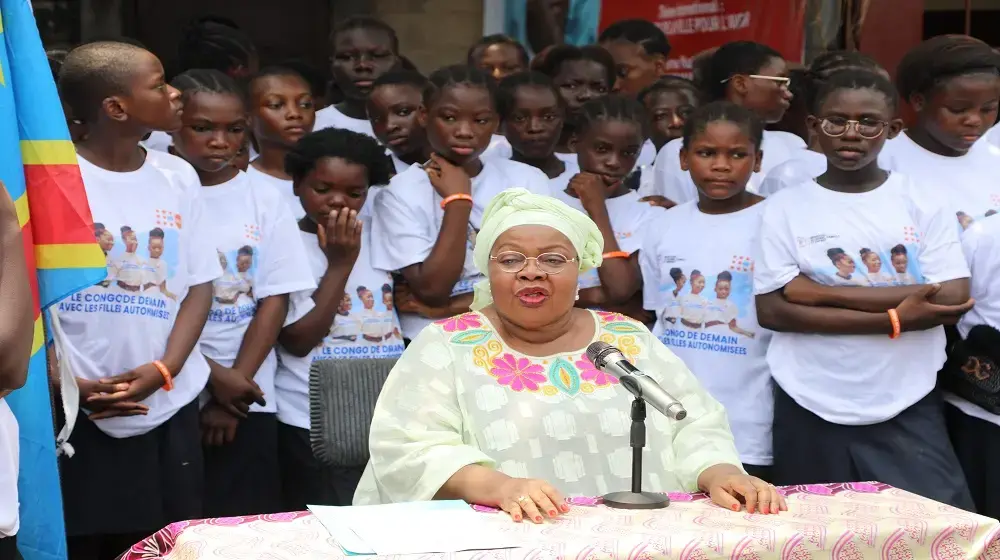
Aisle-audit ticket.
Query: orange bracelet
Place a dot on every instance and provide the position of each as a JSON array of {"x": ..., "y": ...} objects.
[
  {"x": 449, "y": 199},
  {"x": 615, "y": 255},
  {"x": 894, "y": 319},
  {"x": 168, "y": 379}
]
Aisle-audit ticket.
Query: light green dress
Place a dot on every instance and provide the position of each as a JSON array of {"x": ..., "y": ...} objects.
[{"x": 459, "y": 396}]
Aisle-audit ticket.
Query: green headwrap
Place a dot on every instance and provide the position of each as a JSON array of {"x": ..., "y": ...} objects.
[{"x": 518, "y": 207}]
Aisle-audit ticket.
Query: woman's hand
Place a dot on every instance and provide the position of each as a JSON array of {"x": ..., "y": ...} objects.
[
  {"x": 447, "y": 178},
  {"x": 529, "y": 498},
  {"x": 728, "y": 487},
  {"x": 917, "y": 313},
  {"x": 218, "y": 427},
  {"x": 340, "y": 237}
]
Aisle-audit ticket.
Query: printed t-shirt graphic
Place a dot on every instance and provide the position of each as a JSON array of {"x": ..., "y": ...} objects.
[
  {"x": 150, "y": 224},
  {"x": 697, "y": 272},
  {"x": 823, "y": 234},
  {"x": 260, "y": 254},
  {"x": 366, "y": 324}
]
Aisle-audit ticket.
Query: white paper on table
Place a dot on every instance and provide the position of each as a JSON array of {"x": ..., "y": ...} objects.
[
  {"x": 332, "y": 518},
  {"x": 417, "y": 528}
]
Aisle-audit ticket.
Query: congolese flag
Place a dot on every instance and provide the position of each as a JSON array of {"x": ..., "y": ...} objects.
[{"x": 38, "y": 166}]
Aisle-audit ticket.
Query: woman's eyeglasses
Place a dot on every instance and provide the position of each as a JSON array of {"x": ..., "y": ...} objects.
[
  {"x": 549, "y": 263},
  {"x": 780, "y": 81},
  {"x": 869, "y": 129}
]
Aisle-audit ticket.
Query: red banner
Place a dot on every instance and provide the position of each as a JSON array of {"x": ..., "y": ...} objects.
[{"x": 694, "y": 26}]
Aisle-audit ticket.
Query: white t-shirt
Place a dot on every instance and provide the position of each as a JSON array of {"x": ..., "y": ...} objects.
[
  {"x": 281, "y": 186},
  {"x": 802, "y": 167},
  {"x": 499, "y": 148},
  {"x": 260, "y": 255},
  {"x": 631, "y": 221},
  {"x": 154, "y": 215},
  {"x": 992, "y": 135},
  {"x": 967, "y": 184},
  {"x": 331, "y": 117},
  {"x": 9, "y": 458},
  {"x": 366, "y": 325},
  {"x": 865, "y": 378},
  {"x": 724, "y": 346},
  {"x": 675, "y": 184},
  {"x": 981, "y": 243},
  {"x": 408, "y": 217}
]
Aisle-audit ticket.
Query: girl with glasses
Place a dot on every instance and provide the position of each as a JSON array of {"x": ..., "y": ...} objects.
[
  {"x": 855, "y": 366},
  {"x": 748, "y": 74},
  {"x": 805, "y": 165}
]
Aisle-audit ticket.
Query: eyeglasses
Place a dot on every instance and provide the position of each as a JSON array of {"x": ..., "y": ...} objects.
[
  {"x": 780, "y": 81},
  {"x": 549, "y": 263},
  {"x": 869, "y": 129}
]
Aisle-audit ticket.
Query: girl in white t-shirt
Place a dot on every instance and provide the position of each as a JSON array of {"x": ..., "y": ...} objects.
[
  {"x": 533, "y": 115},
  {"x": 669, "y": 102},
  {"x": 262, "y": 262},
  {"x": 282, "y": 111},
  {"x": 362, "y": 50},
  {"x": 953, "y": 83},
  {"x": 426, "y": 221},
  {"x": 133, "y": 352},
  {"x": 805, "y": 165},
  {"x": 856, "y": 366},
  {"x": 341, "y": 319},
  {"x": 609, "y": 134},
  {"x": 754, "y": 76},
  {"x": 394, "y": 108},
  {"x": 975, "y": 431},
  {"x": 710, "y": 320}
]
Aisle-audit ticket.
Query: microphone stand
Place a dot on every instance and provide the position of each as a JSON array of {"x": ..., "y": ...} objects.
[{"x": 637, "y": 499}]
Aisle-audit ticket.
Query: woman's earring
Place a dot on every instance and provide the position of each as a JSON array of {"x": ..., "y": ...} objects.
[{"x": 577, "y": 298}]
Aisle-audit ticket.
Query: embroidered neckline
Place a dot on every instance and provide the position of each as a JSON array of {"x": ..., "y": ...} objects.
[{"x": 568, "y": 373}]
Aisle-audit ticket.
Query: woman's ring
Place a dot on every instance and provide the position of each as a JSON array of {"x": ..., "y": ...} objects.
[{"x": 522, "y": 499}]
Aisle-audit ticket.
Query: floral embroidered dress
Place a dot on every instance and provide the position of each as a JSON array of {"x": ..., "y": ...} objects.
[{"x": 459, "y": 396}]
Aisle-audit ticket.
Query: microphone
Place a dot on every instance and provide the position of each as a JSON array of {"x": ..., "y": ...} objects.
[{"x": 611, "y": 361}]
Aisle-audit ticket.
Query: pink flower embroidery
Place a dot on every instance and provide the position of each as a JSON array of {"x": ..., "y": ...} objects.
[
  {"x": 821, "y": 489},
  {"x": 589, "y": 372},
  {"x": 460, "y": 323},
  {"x": 517, "y": 373},
  {"x": 609, "y": 317}
]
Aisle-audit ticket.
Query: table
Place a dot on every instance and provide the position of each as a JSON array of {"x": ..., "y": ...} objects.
[{"x": 850, "y": 521}]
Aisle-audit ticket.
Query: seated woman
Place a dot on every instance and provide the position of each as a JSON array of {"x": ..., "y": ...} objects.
[{"x": 501, "y": 406}]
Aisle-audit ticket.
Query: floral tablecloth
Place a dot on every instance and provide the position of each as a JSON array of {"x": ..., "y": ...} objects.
[{"x": 840, "y": 521}]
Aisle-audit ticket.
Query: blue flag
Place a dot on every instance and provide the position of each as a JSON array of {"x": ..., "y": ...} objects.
[{"x": 39, "y": 169}]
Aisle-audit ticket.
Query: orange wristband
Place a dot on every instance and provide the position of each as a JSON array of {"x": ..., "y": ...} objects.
[
  {"x": 168, "y": 379},
  {"x": 894, "y": 319},
  {"x": 615, "y": 255},
  {"x": 448, "y": 200}
]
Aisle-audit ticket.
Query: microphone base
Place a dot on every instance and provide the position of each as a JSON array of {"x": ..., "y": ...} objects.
[{"x": 636, "y": 500}]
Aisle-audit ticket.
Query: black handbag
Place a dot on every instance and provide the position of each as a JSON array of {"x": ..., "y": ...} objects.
[{"x": 972, "y": 371}]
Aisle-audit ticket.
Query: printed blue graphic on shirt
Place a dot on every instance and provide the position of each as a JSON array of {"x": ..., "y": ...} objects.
[
  {"x": 140, "y": 266},
  {"x": 966, "y": 219},
  {"x": 867, "y": 266},
  {"x": 233, "y": 300},
  {"x": 365, "y": 326},
  {"x": 706, "y": 310}
]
